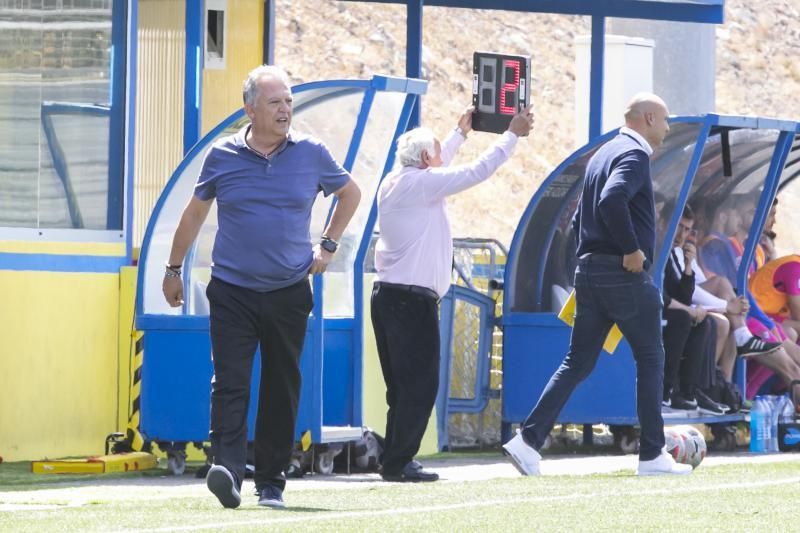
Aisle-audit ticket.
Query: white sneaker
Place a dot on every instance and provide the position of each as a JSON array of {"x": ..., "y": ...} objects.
[
  {"x": 661, "y": 465},
  {"x": 523, "y": 457}
]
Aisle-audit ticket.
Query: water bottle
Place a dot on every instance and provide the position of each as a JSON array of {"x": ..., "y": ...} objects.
[
  {"x": 786, "y": 409},
  {"x": 775, "y": 407},
  {"x": 758, "y": 424}
]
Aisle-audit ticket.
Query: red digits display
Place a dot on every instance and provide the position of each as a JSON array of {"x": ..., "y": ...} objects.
[
  {"x": 500, "y": 86},
  {"x": 509, "y": 88}
]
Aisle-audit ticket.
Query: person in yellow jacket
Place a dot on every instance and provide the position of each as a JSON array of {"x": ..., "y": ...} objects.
[{"x": 776, "y": 288}]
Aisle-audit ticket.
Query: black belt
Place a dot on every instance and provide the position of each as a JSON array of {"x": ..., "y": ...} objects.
[
  {"x": 416, "y": 289},
  {"x": 606, "y": 259},
  {"x": 603, "y": 259}
]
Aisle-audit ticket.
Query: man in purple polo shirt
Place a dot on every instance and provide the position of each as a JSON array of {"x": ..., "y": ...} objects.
[{"x": 265, "y": 179}]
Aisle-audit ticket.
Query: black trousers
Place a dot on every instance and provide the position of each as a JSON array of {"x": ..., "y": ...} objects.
[
  {"x": 406, "y": 328},
  {"x": 687, "y": 349},
  {"x": 241, "y": 319}
]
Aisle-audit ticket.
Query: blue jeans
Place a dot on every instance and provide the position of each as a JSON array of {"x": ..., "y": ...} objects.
[{"x": 607, "y": 294}]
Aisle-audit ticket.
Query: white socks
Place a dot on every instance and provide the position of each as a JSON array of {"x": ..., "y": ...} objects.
[{"x": 741, "y": 335}]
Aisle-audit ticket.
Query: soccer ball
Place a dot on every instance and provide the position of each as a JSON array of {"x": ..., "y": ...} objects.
[
  {"x": 676, "y": 443},
  {"x": 695, "y": 446},
  {"x": 685, "y": 444}
]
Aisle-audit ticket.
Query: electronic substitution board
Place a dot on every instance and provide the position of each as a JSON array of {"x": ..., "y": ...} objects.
[{"x": 501, "y": 85}]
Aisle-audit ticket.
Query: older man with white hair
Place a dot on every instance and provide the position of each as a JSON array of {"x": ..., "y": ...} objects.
[
  {"x": 265, "y": 179},
  {"x": 414, "y": 257}
]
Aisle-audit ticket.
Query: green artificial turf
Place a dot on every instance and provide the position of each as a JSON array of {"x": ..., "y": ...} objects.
[{"x": 737, "y": 497}]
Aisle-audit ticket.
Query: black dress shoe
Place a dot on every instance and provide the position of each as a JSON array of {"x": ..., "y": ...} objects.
[{"x": 412, "y": 472}]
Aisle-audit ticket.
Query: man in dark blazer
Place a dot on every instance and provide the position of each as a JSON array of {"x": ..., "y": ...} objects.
[{"x": 615, "y": 228}]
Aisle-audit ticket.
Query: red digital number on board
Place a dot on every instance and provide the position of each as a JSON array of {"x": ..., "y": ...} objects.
[{"x": 509, "y": 88}]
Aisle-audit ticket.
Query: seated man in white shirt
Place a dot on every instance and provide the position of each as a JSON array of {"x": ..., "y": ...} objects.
[{"x": 413, "y": 259}]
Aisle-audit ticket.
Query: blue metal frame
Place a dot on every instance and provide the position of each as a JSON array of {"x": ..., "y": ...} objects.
[
  {"x": 707, "y": 11},
  {"x": 116, "y": 137},
  {"x": 268, "y": 51},
  {"x": 772, "y": 180},
  {"x": 596, "y": 76},
  {"x": 414, "y": 51},
  {"x": 193, "y": 80},
  {"x": 100, "y": 264},
  {"x": 130, "y": 134}
]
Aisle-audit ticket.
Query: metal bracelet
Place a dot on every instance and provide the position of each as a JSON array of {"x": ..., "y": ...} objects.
[{"x": 169, "y": 273}]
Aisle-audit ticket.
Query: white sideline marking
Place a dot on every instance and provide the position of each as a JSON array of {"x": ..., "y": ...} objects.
[{"x": 491, "y": 503}]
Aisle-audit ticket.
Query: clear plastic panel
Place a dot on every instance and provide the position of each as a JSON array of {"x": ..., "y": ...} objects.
[
  {"x": 54, "y": 52},
  {"x": 375, "y": 147},
  {"x": 787, "y": 239},
  {"x": 327, "y": 113},
  {"x": 724, "y": 196},
  {"x": 791, "y": 170},
  {"x": 669, "y": 164},
  {"x": 556, "y": 206},
  {"x": 77, "y": 197},
  {"x": 332, "y": 118}
]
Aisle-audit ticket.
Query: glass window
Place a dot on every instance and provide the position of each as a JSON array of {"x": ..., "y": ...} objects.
[
  {"x": 56, "y": 168},
  {"x": 216, "y": 35}
]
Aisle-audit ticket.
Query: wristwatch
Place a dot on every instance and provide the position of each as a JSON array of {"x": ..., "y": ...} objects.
[{"x": 328, "y": 244}]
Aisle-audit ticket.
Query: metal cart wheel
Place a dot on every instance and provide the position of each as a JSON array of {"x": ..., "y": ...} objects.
[
  {"x": 176, "y": 462},
  {"x": 323, "y": 462}
]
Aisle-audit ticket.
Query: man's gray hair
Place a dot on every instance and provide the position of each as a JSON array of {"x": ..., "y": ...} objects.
[
  {"x": 411, "y": 144},
  {"x": 250, "y": 89}
]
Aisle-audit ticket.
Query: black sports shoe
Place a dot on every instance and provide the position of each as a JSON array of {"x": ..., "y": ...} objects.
[
  {"x": 682, "y": 403},
  {"x": 708, "y": 406},
  {"x": 220, "y": 481},
  {"x": 412, "y": 472},
  {"x": 756, "y": 346},
  {"x": 271, "y": 496}
]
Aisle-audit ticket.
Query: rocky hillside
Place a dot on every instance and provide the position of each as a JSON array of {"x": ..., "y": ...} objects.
[{"x": 758, "y": 73}]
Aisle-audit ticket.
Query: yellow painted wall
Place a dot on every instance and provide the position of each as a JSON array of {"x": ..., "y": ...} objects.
[
  {"x": 159, "y": 103},
  {"x": 58, "y": 363},
  {"x": 222, "y": 89}
]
